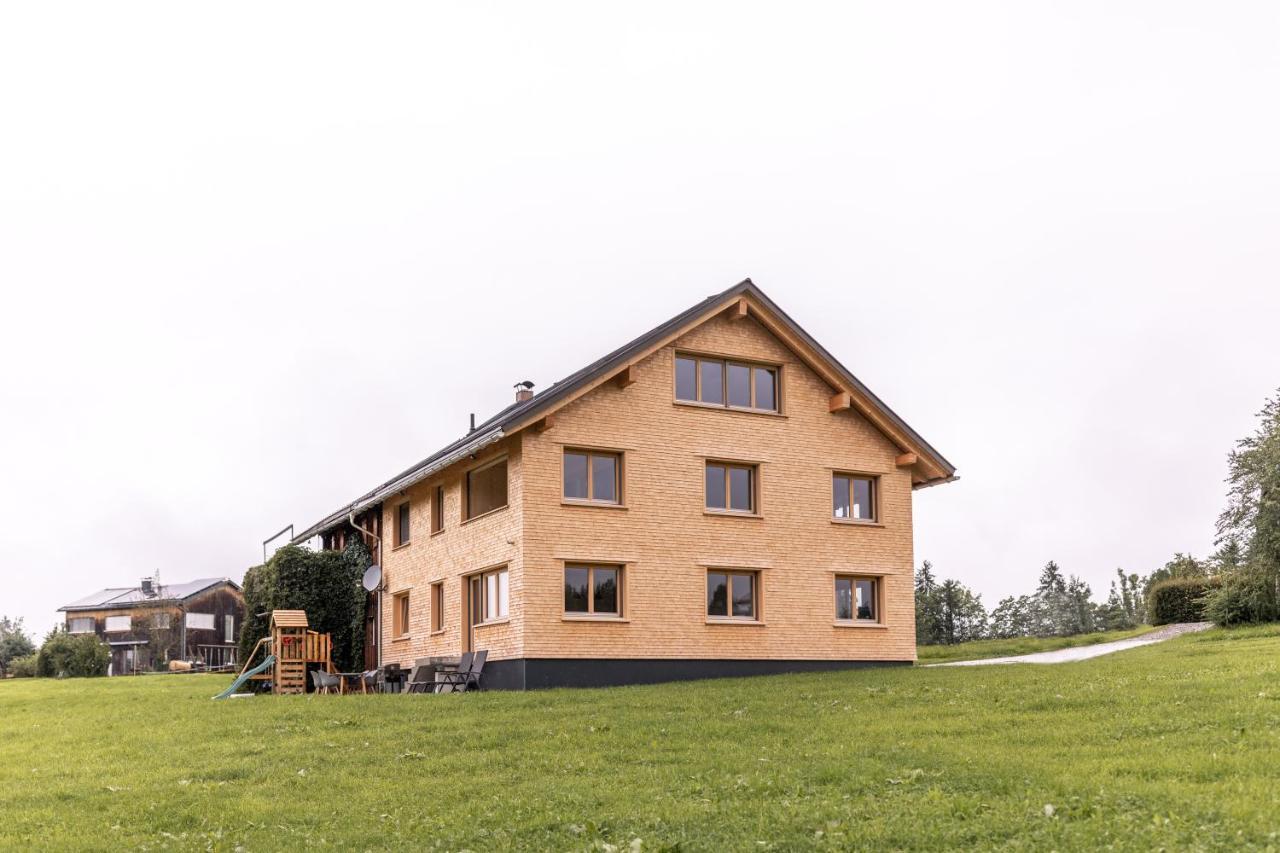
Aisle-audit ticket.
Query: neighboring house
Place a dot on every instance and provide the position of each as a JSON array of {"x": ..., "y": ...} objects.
[
  {"x": 718, "y": 497},
  {"x": 149, "y": 625}
]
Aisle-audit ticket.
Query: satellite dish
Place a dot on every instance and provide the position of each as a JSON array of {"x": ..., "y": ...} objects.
[{"x": 372, "y": 578}]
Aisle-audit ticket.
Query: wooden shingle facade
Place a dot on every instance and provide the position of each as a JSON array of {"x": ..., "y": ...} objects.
[{"x": 718, "y": 497}]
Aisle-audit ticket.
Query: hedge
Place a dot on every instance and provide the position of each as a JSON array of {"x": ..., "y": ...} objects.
[{"x": 1179, "y": 600}]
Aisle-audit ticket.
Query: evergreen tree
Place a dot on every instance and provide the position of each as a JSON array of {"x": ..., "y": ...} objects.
[
  {"x": 928, "y": 607},
  {"x": 1051, "y": 580}
]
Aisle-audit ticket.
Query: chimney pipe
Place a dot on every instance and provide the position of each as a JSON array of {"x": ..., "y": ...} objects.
[
  {"x": 148, "y": 587},
  {"x": 524, "y": 391},
  {"x": 473, "y": 423}
]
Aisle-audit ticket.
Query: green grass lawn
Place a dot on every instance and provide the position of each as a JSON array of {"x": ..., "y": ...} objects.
[
  {"x": 1175, "y": 745},
  {"x": 979, "y": 649}
]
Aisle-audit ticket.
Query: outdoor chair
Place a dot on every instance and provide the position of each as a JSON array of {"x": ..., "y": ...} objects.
[
  {"x": 324, "y": 682},
  {"x": 369, "y": 680},
  {"x": 466, "y": 677},
  {"x": 422, "y": 679}
]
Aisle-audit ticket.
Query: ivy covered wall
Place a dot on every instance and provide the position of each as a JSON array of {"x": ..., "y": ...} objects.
[{"x": 326, "y": 584}]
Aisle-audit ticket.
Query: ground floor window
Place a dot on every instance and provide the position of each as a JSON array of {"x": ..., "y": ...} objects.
[
  {"x": 733, "y": 595},
  {"x": 400, "y": 614},
  {"x": 593, "y": 590},
  {"x": 437, "y": 606},
  {"x": 490, "y": 596},
  {"x": 857, "y": 599}
]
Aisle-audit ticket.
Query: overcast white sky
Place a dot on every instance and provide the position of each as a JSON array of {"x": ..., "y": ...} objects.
[{"x": 256, "y": 258}]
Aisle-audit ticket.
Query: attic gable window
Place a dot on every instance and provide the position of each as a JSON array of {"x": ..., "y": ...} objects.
[{"x": 727, "y": 383}]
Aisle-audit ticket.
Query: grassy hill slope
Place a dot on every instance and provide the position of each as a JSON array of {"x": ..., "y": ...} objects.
[{"x": 1175, "y": 745}]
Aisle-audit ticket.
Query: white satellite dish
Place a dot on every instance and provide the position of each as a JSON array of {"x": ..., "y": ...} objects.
[{"x": 372, "y": 578}]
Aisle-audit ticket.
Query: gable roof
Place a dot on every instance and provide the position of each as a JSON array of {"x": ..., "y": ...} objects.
[
  {"x": 935, "y": 469},
  {"x": 121, "y": 598}
]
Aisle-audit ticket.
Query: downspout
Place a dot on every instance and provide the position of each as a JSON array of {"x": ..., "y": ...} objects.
[{"x": 377, "y": 615}]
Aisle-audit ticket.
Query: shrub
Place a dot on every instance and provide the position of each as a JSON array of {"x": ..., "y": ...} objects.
[
  {"x": 326, "y": 584},
  {"x": 1179, "y": 600},
  {"x": 1246, "y": 595},
  {"x": 66, "y": 655},
  {"x": 24, "y": 667}
]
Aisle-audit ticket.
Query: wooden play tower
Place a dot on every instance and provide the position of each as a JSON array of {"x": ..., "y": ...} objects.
[
  {"x": 289, "y": 645},
  {"x": 293, "y": 647}
]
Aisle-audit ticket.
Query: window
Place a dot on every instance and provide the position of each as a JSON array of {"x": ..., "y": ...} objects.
[
  {"x": 734, "y": 384},
  {"x": 592, "y": 476},
  {"x": 487, "y": 488},
  {"x": 160, "y": 621},
  {"x": 402, "y": 524},
  {"x": 229, "y": 623},
  {"x": 437, "y": 606},
  {"x": 200, "y": 622},
  {"x": 494, "y": 593},
  {"x": 80, "y": 625},
  {"x": 593, "y": 590},
  {"x": 857, "y": 599},
  {"x": 731, "y": 488},
  {"x": 853, "y": 497},
  {"x": 400, "y": 614},
  {"x": 732, "y": 595},
  {"x": 437, "y": 510},
  {"x": 116, "y": 624}
]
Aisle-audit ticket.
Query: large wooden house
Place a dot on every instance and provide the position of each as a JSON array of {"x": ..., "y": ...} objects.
[
  {"x": 149, "y": 625},
  {"x": 719, "y": 496}
]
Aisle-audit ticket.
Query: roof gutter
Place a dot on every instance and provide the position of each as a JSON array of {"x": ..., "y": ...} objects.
[
  {"x": 402, "y": 483},
  {"x": 938, "y": 482}
]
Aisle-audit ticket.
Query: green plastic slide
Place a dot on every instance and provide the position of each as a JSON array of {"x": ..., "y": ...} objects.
[{"x": 239, "y": 682}]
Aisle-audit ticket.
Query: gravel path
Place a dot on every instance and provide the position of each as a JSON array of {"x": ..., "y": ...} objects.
[{"x": 1159, "y": 635}]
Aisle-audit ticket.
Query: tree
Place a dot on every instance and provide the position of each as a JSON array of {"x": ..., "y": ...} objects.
[
  {"x": 1181, "y": 566},
  {"x": 1079, "y": 613},
  {"x": 1252, "y": 518},
  {"x": 1051, "y": 580},
  {"x": 14, "y": 643},
  {"x": 326, "y": 584},
  {"x": 928, "y": 607},
  {"x": 963, "y": 617},
  {"x": 64, "y": 655},
  {"x": 1126, "y": 607},
  {"x": 1011, "y": 618},
  {"x": 1249, "y": 528}
]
